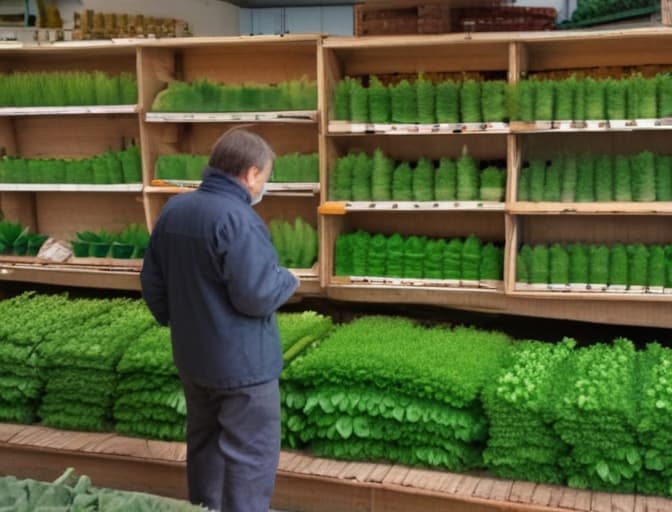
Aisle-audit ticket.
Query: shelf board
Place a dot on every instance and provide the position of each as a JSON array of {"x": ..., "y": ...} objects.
[
  {"x": 180, "y": 186},
  {"x": 75, "y": 111},
  {"x": 292, "y": 116},
  {"x": 599, "y": 295},
  {"x": 591, "y": 126},
  {"x": 343, "y": 207},
  {"x": 607, "y": 208},
  {"x": 388, "y": 283},
  {"x": 348, "y": 128},
  {"x": 309, "y": 281},
  {"x": 64, "y": 276},
  {"x": 70, "y": 187}
]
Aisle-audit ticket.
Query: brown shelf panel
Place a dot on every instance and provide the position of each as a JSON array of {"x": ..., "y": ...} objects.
[
  {"x": 343, "y": 207},
  {"x": 68, "y": 111},
  {"x": 69, "y": 187},
  {"x": 610, "y": 208},
  {"x": 290, "y": 116},
  {"x": 81, "y": 278},
  {"x": 597, "y": 295},
  {"x": 348, "y": 128}
]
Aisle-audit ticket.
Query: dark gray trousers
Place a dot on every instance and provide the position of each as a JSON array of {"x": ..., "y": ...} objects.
[{"x": 233, "y": 445}]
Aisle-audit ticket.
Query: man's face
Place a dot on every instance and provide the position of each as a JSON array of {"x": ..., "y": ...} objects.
[{"x": 254, "y": 179}]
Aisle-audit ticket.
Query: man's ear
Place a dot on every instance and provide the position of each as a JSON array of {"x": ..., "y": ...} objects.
[{"x": 249, "y": 176}]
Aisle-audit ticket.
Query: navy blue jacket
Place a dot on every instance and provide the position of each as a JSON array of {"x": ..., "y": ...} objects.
[{"x": 212, "y": 274}]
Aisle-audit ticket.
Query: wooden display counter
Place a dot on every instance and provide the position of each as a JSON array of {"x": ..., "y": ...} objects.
[{"x": 303, "y": 483}]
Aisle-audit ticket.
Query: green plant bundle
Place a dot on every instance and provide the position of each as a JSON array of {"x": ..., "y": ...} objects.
[
  {"x": 523, "y": 264},
  {"x": 656, "y": 271},
  {"x": 361, "y": 178},
  {"x": 643, "y": 169},
  {"x": 634, "y": 90},
  {"x": 359, "y": 103},
  {"x": 664, "y": 95},
  {"x": 537, "y": 180},
  {"x": 151, "y": 353},
  {"x": 580, "y": 101},
  {"x": 544, "y": 100},
  {"x": 579, "y": 263},
  {"x": 663, "y": 178},
  {"x": 467, "y": 177},
  {"x": 381, "y": 176},
  {"x": 414, "y": 257},
  {"x": 395, "y": 255},
  {"x": 622, "y": 179},
  {"x": 452, "y": 259},
  {"x": 296, "y": 243},
  {"x": 404, "y": 103},
  {"x": 539, "y": 265},
  {"x": 295, "y": 168},
  {"x": 553, "y": 182},
  {"x": 470, "y": 101},
  {"x": 585, "y": 179},
  {"x": 599, "y": 265},
  {"x": 564, "y": 99},
  {"x": 524, "y": 100},
  {"x": 491, "y": 266},
  {"x": 377, "y": 257},
  {"x": 569, "y": 178},
  {"x": 493, "y": 184},
  {"x": 343, "y": 255},
  {"x": 604, "y": 178},
  {"x": 360, "y": 253},
  {"x": 638, "y": 264},
  {"x": 595, "y": 99},
  {"x": 434, "y": 257},
  {"x": 471, "y": 258},
  {"x": 67, "y": 89},
  {"x": 618, "y": 265},
  {"x": 647, "y": 101},
  {"x": 524, "y": 184},
  {"x": 380, "y": 109},
  {"x": 341, "y": 182},
  {"x": 448, "y": 102},
  {"x": 298, "y": 330},
  {"x": 494, "y": 101},
  {"x": 616, "y": 95},
  {"x": 559, "y": 265},
  {"x": 341, "y": 110},
  {"x": 426, "y": 95},
  {"x": 445, "y": 180},
  {"x": 423, "y": 181},
  {"x": 402, "y": 183}
]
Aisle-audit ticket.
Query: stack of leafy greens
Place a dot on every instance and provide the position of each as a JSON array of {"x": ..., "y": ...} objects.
[
  {"x": 356, "y": 396},
  {"x": 15, "y": 239},
  {"x": 295, "y": 242}
]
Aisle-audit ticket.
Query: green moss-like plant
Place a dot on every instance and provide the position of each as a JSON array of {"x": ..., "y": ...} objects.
[
  {"x": 544, "y": 99},
  {"x": 343, "y": 255},
  {"x": 471, "y": 258},
  {"x": 492, "y": 263},
  {"x": 493, "y": 101},
  {"x": 663, "y": 178},
  {"x": 604, "y": 178},
  {"x": 580, "y": 101},
  {"x": 578, "y": 263},
  {"x": 657, "y": 275},
  {"x": 493, "y": 182},
  {"x": 616, "y": 99},
  {"x": 448, "y": 102},
  {"x": 402, "y": 183},
  {"x": 361, "y": 178},
  {"x": 359, "y": 103},
  {"x": 559, "y": 264},
  {"x": 524, "y": 100},
  {"x": 378, "y": 255},
  {"x": 553, "y": 184},
  {"x": 524, "y": 184},
  {"x": 564, "y": 99},
  {"x": 360, "y": 253},
  {"x": 647, "y": 100},
  {"x": 595, "y": 99},
  {"x": 540, "y": 265},
  {"x": 467, "y": 177},
  {"x": 445, "y": 181},
  {"x": 664, "y": 95},
  {"x": 381, "y": 177},
  {"x": 537, "y": 180},
  {"x": 395, "y": 255},
  {"x": 622, "y": 179},
  {"x": 426, "y": 95},
  {"x": 470, "y": 101},
  {"x": 633, "y": 89},
  {"x": 638, "y": 264},
  {"x": 414, "y": 256},
  {"x": 341, "y": 181},
  {"x": 585, "y": 179},
  {"x": 434, "y": 251},
  {"x": 599, "y": 264},
  {"x": 523, "y": 262},
  {"x": 404, "y": 103},
  {"x": 618, "y": 265},
  {"x": 643, "y": 169},
  {"x": 452, "y": 259},
  {"x": 423, "y": 181},
  {"x": 380, "y": 110}
]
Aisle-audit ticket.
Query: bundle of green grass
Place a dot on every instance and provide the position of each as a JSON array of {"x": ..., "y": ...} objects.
[
  {"x": 72, "y": 493},
  {"x": 595, "y": 396},
  {"x": 67, "y": 89},
  {"x": 206, "y": 96},
  {"x": 149, "y": 401},
  {"x": 357, "y": 397},
  {"x": 132, "y": 242},
  {"x": 180, "y": 166},
  {"x": 107, "y": 168},
  {"x": 17, "y": 239},
  {"x": 363, "y": 254},
  {"x": 296, "y": 243},
  {"x": 522, "y": 443},
  {"x": 79, "y": 362}
]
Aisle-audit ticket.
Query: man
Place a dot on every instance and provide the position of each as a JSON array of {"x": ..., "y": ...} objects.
[{"x": 211, "y": 273}]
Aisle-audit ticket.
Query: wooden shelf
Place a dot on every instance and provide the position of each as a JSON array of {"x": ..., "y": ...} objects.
[
  {"x": 295, "y": 116},
  {"x": 343, "y": 207},
  {"x": 610, "y": 208},
  {"x": 67, "y": 111},
  {"x": 179, "y": 186},
  {"x": 69, "y": 187},
  {"x": 594, "y": 295},
  {"x": 591, "y": 126},
  {"x": 61, "y": 276},
  {"x": 348, "y": 128}
]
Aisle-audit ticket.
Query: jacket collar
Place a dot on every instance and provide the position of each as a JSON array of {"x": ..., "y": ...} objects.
[{"x": 218, "y": 182}]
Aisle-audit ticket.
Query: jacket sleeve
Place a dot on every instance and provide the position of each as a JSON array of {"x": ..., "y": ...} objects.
[
  {"x": 154, "y": 286},
  {"x": 257, "y": 286}
]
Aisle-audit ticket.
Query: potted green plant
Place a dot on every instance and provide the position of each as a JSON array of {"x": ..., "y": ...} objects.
[
  {"x": 9, "y": 233},
  {"x": 35, "y": 242},
  {"x": 80, "y": 245}
]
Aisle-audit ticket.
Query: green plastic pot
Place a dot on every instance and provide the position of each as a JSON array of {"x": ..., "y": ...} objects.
[
  {"x": 99, "y": 249},
  {"x": 80, "y": 248},
  {"x": 139, "y": 252},
  {"x": 122, "y": 251},
  {"x": 35, "y": 244}
]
